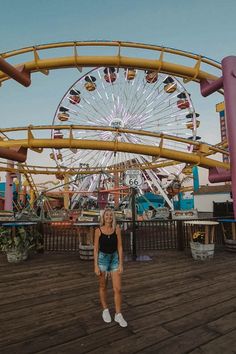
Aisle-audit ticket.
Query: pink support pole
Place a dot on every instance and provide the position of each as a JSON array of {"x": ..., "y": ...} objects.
[
  {"x": 19, "y": 74},
  {"x": 18, "y": 154},
  {"x": 229, "y": 82},
  {"x": 9, "y": 189},
  {"x": 217, "y": 174},
  {"x": 208, "y": 87}
]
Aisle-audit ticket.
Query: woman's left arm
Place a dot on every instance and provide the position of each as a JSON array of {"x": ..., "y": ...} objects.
[{"x": 119, "y": 248}]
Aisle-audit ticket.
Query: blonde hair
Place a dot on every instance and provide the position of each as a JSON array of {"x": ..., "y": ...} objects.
[{"x": 102, "y": 219}]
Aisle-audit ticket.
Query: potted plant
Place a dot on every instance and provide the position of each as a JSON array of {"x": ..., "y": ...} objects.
[
  {"x": 199, "y": 248},
  {"x": 202, "y": 238},
  {"x": 17, "y": 244}
]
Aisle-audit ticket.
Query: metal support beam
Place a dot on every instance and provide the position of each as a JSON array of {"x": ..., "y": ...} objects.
[
  {"x": 229, "y": 77},
  {"x": 228, "y": 82},
  {"x": 19, "y": 74},
  {"x": 18, "y": 154},
  {"x": 210, "y": 86}
]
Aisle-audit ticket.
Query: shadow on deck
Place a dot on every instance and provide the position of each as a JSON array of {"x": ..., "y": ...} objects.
[{"x": 173, "y": 304}]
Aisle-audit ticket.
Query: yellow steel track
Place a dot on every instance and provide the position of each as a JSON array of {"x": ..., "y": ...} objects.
[
  {"x": 118, "y": 54},
  {"x": 200, "y": 158},
  {"x": 191, "y": 71}
]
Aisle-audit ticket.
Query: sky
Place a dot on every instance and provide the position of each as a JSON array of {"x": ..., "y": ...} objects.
[{"x": 205, "y": 27}]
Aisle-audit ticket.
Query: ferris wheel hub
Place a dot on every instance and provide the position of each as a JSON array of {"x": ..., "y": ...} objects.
[{"x": 117, "y": 123}]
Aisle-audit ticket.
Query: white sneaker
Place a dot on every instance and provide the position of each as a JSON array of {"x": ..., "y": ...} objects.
[
  {"x": 106, "y": 316},
  {"x": 120, "y": 319}
]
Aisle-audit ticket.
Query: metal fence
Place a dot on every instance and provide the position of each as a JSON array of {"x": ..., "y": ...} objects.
[
  {"x": 60, "y": 236},
  {"x": 138, "y": 236}
]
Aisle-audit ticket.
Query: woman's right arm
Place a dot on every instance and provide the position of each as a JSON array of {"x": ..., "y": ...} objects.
[{"x": 96, "y": 244}]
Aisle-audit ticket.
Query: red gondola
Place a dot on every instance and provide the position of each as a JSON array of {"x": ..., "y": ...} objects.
[
  {"x": 110, "y": 75},
  {"x": 58, "y": 134},
  {"x": 59, "y": 176},
  {"x": 74, "y": 97},
  {"x": 151, "y": 76},
  {"x": 183, "y": 102}
]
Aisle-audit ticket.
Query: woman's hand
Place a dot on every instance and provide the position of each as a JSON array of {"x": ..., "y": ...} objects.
[
  {"x": 97, "y": 270},
  {"x": 120, "y": 268}
]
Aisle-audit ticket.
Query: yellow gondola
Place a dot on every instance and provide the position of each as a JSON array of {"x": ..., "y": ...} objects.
[
  {"x": 190, "y": 125},
  {"x": 170, "y": 85},
  {"x": 130, "y": 74},
  {"x": 63, "y": 117},
  {"x": 90, "y": 83}
]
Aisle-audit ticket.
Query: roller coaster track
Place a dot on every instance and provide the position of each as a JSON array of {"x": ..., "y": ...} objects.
[
  {"x": 199, "y": 158},
  {"x": 120, "y": 58},
  {"x": 21, "y": 168},
  {"x": 24, "y": 169},
  {"x": 75, "y": 54}
]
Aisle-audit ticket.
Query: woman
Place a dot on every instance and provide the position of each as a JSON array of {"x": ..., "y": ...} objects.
[{"x": 108, "y": 257}]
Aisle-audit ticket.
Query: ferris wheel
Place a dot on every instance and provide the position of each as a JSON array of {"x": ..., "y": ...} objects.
[{"x": 128, "y": 99}]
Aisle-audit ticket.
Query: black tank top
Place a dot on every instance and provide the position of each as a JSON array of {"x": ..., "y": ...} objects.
[{"x": 108, "y": 243}]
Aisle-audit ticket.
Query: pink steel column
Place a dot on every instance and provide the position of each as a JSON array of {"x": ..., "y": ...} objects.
[
  {"x": 9, "y": 188},
  {"x": 19, "y": 74},
  {"x": 229, "y": 83}
]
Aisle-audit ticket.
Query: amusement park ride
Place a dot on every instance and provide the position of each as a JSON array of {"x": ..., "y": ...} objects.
[{"x": 123, "y": 113}]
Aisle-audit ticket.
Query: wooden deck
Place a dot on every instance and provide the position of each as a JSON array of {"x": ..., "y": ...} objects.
[{"x": 173, "y": 304}]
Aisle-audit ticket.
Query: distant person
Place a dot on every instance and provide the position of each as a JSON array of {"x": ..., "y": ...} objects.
[{"x": 108, "y": 258}]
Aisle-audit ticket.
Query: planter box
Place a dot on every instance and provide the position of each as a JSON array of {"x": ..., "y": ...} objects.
[
  {"x": 201, "y": 229},
  {"x": 16, "y": 256},
  {"x": 202, "y": 251}
]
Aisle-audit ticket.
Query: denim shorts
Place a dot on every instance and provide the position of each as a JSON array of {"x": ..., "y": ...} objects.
[{"x": 108, "y": 262}]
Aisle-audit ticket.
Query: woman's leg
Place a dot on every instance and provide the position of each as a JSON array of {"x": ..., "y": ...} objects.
[
  {"x": 103, "y": 290},
  {"x": 116, "y": 283}
]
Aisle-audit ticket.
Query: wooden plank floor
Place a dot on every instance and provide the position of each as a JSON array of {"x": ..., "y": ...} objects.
[{"x": 173, "y": 304}]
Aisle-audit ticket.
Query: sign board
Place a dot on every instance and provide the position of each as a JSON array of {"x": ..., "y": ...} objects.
[
  {"x": 184, "y": 214},
  {"x": 133, "y": 178}
]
